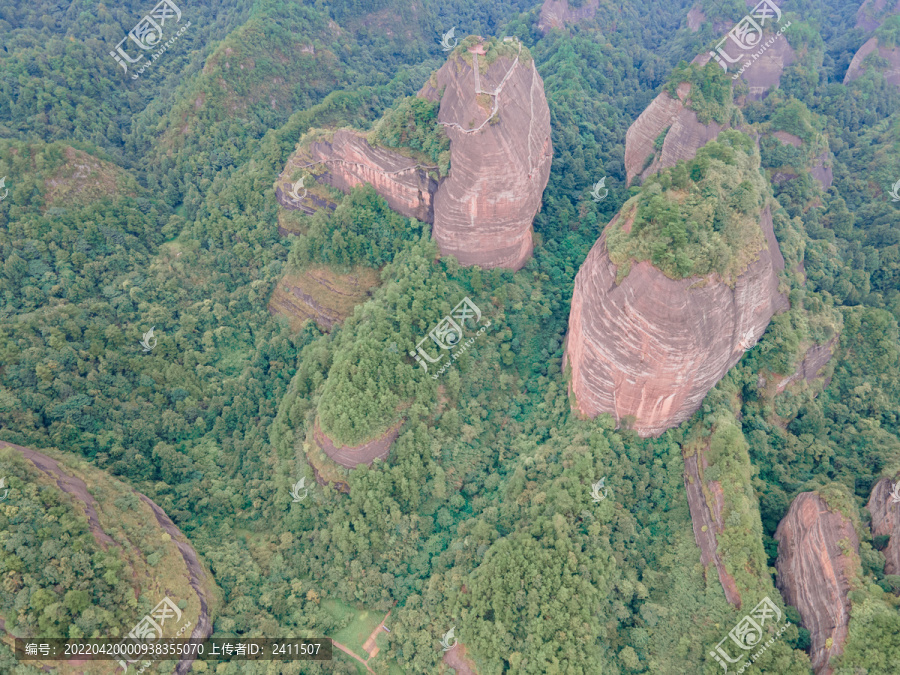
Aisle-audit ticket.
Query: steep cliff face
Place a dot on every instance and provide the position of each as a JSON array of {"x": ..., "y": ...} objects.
[
  {"x": 814, "y": 573},
  {"x": 764, "y": 74},
  {"x": 886, "y": 521},
  {"x": 890, "y": 54},
  {"x": 351, "y": 456},
  {"x": 651, "y": 347},
  {"x": 871, "y": 13},
  {"x": 346, "y": 160},
  {"x": 319, "y": 294},
  {"x": 708, "y": 521},
  {"x": 684, "y": 135},
  {"x": 558, "y": 13},
  {"x": 493, "y": 110},
  {"x": 498, "y": 121}
]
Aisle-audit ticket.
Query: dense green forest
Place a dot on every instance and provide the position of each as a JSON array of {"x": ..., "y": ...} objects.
[{"x": 148, "y": 203}]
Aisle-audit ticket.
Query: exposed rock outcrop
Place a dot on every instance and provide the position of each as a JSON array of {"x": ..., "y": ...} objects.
[
  {"x": 558, "y": 13},
  {"x": 764, "y": 74},
  {"x": 815, "y": 359},
  {"x": 321, "y": 295},
  {"x": 498, "y": 122},
  {"x": 872, "y": 13},
  {"x": 886, "y": 521},
  {"x": 708, "y": 521},
  {"x": 351, "y": 457},
  {"x": 819, "y": 168},
  {"x": 695, "y": 19},
  {"x": 347, "y": 159},
  {"x": 194, "y": 569},
  {"x": 685, "y": 135},
  {"x": 822, "y": 172},
  {"x": 651, "y": 347},
  {"x": 814, "y": 573},
  {"x": 890, "y": 54},
  {"x": 493, "y": 109}
]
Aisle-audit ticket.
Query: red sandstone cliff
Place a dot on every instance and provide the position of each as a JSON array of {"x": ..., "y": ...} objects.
[
  {"x": 872, "y": 13},
  {"x": 348, "y": 160},
  {"x": 685, "y": 135},
  {"x": 651, "y": 347},
  {"x": 557, "y": 13},
  {"x": 708, "y": 521},
  {"x": 765, "y": 73},
  {"x": 886, "y": 521},
  {"x": 498, "y": 122},
  {"x": 814, "y": 573},
  {"x": 350, "y": 457},
  {"x": 890, "y": 54}
]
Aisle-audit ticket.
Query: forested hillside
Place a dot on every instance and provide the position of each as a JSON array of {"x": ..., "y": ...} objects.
[{"x": 130, "y": 204}]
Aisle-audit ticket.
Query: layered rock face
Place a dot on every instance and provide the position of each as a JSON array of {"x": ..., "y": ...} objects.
[
  {"x": 814, "y": 573},
  {"x": 890, "y": 54},
  {"x": 651, "y": 347},
  {"x": 557, "y": 13},
  {"x": 686, "y": 134},
  {"x": 886, "y": 521},
  {"x": 498, "y": 122},
  {"x": 708, "y": 522},
  {"x": 349, "y": 160},
  {"x": 352, "y": 456}
]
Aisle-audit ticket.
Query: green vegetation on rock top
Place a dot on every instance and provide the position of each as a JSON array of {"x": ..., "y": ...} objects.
[
  {"x": 710, "y": 95},
  {"x": 411, "y": 127},
  {"x": 700, "y": 217}
]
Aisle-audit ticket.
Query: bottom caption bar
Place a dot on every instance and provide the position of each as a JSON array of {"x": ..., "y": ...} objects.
[{"x": 173, "y": 649}]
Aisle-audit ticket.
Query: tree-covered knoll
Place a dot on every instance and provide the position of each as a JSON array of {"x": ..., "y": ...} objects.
[
  {"x": 698, "y": 218},
  {"x": 710, "y": 94}
]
